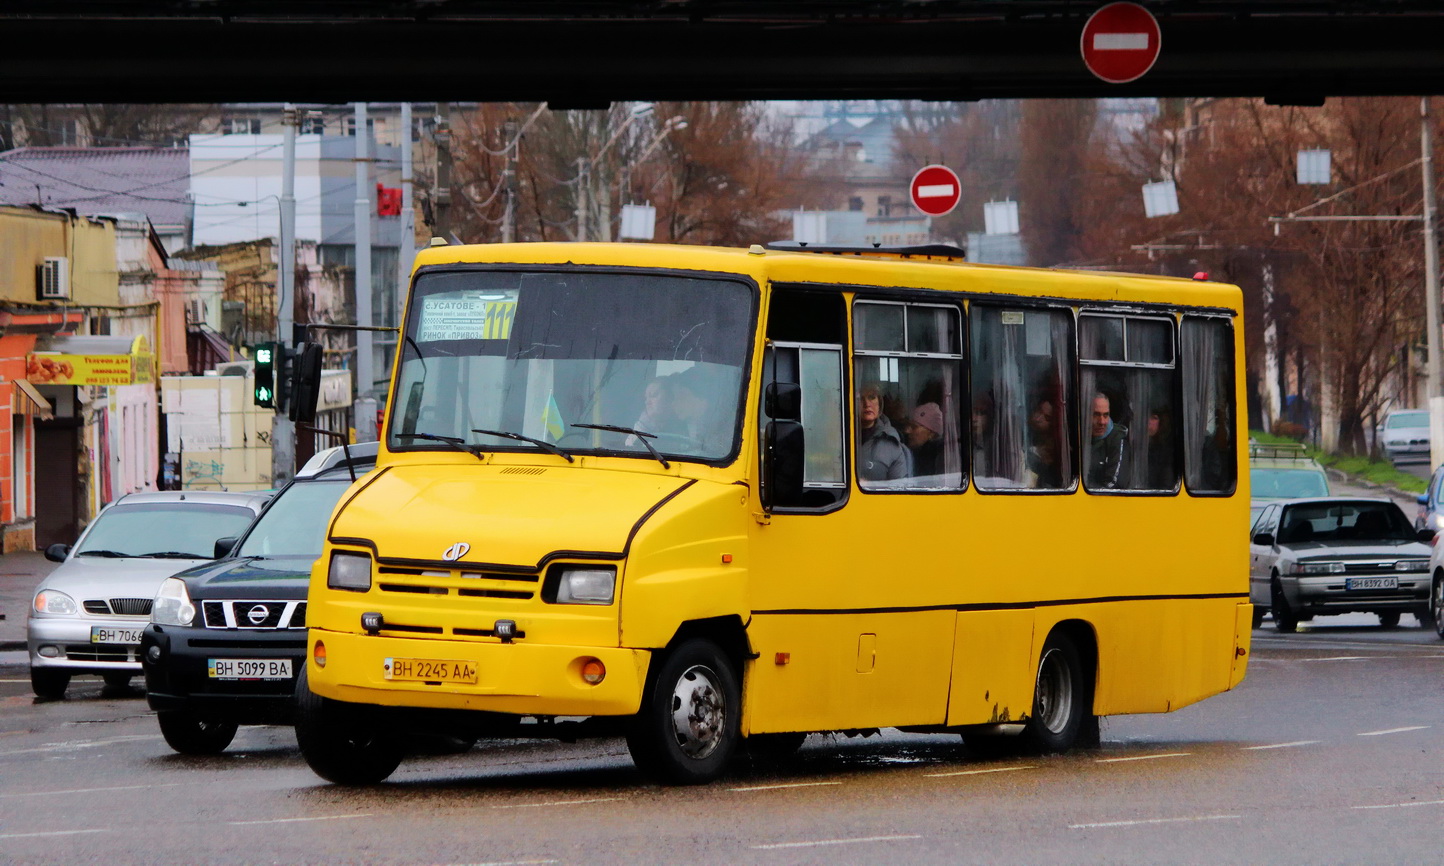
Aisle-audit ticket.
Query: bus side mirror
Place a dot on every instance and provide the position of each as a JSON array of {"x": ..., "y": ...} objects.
[
  {"x": 783, "y": 401},
  {"x": 306, "y": 383},
  {"x": 224, "y": 545},
  {"x": 1264, "y": 538},
  {"x": 783, "y": 464}
]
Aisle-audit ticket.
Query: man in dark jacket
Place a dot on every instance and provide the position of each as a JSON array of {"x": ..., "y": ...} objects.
[
  {"x": 881, "y": 454},
  {"x": 1105, "y": 451}
]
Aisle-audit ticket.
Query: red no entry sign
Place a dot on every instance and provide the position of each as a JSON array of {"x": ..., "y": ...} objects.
[
  {"x": 1120, "y": 42},
  {"x": 935, "y": 190}
]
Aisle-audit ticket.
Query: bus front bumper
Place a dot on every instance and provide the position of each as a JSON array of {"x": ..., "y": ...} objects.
[{"x": 516, "y": 678}]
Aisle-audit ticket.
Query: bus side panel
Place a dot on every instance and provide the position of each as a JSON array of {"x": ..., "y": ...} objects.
[
  {"x": 992, "y": 667},
  {"x": 847, "y": 671},
  {"x": 1242, "y": 642},
  {"x": 1158, "y": 655}
]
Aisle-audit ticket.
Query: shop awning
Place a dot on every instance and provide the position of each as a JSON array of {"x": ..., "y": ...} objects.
[
  {"x": 32, "y": 401},
  {"x": 90, "y": 360}
]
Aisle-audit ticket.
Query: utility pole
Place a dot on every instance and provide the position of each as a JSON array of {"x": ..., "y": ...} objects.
[
  {"x": 283, "y": 432},
  {"x": 365, "y": 377},
  {"x": 1431, "y": 288},
  {"x": 508, "y": 217},
  {"x": 441, "y": 196},
  {"x": 406, "y": 246}
]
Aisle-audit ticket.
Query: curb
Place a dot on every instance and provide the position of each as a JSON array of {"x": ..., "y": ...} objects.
[{"x": 1340, "y": 475}]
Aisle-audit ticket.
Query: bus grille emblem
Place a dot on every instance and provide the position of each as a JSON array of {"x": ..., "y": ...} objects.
[{"x": 456, "y": 551}]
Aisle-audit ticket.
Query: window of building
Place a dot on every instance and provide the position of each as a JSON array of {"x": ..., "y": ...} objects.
[
  {"x": 243, "y": 126},
  {"x": 1022, "y": 399},
  {"x": 313, "y": 126},
  {"x": 907, "y": 368},
  {"x": 1209, "y": 437},
  {"x": 1130, "y": 402},
  {"x": 854, "y": 203}
]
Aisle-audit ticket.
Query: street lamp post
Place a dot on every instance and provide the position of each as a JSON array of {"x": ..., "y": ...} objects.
[{"x": 1431, "y": 288}]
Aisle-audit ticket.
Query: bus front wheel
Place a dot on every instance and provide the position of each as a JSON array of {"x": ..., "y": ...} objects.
[
  {"x": 340, "y": 747},
  {"x": 1062, "y": 700},
  {"x": 687, "y": 727}
]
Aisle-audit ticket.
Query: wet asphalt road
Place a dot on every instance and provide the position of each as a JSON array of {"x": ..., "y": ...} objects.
[{"x": 1331, "y": 751}]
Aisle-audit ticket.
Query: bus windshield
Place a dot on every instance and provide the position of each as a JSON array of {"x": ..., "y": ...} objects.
[{"x": 533, "y": 355}]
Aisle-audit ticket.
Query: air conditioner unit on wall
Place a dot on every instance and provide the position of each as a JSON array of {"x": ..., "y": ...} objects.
[
  {"x": 52, "y": 278},
  {"x": 195, "y": 311}
]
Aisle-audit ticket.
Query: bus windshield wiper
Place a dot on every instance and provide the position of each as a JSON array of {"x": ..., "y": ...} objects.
[
  {"x": 453, "y": 441},
  {"x": 641, "y": 437},
  {"x": 545, "y": 446}
]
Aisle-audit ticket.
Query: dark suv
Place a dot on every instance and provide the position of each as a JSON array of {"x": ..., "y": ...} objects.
[{"x": 227, "y": 639}]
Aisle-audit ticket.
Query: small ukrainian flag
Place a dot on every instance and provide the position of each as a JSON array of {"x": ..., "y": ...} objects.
[{"x": 552, "y": 419}]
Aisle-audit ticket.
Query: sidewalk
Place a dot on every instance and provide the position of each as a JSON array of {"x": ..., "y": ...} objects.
[{"x": 20, "y": 573}]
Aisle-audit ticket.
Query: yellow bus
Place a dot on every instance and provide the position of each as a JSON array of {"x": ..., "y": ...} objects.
[{"x": 713, "y": 500}]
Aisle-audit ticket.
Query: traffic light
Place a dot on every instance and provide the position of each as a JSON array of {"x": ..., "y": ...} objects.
[
  {"x": 265, "y": 357},
  {"x": 305, "y": 383},
  {"x": 285, "y": 360}
]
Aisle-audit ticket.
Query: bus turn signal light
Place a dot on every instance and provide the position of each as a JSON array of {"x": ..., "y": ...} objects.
[
  {"x": 593, "y": 671},
  {"x": 319, "y": 654}
]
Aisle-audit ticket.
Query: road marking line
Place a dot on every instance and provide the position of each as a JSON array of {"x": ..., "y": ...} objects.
[
  {"x": 978, "y": 772},
  {"x": 1343, "y": 659},
  {"x": 1394, "y": 731},
  {"x": 80, "y": 744},
  {"x": 778, "y": 845},
  {"x": 789, "y": 785},
  {"x": 93, "y": 790},
  {"x": 51, "y": 833},
  {"x": 1143, "y": 757},
  {"x": 509, "y": 863},
  {"x": 1154, "y": 821},
  {"x": 1402, "y": 805},
  {"x": 297, "y": 820},
  {"x": 1280, "y": 745},
  {"x": 560, "y": 803}
]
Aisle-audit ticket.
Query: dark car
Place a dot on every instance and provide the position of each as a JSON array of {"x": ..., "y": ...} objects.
[
  {"x": 227, "y": 639},
  {"x": 1326, "y": 556}
]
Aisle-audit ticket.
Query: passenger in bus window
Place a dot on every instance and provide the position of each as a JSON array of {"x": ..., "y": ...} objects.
[
  {"x": 982, "y": 435},
  {"x": 1044, "y": 445},
  {"x": 1105, "y": 455},
  {"x": 658, "y": 410},
  {"x": 881, "y": 455},
  {"x": 1161, "y": 474},
  {"x": 925, "y": 438}
]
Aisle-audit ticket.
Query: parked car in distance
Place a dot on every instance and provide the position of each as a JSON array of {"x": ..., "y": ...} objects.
[
  {"x": 88, "y": 614},
  {"x": 1278, "y": 472},
  {"x": 227, "y": 638},
  {"x": 1404, "y": 435},
  {"x": 1334, "y": 555}
]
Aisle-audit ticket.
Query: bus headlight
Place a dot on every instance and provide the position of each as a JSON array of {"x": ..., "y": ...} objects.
[
  {"x": 173, "y": 604},
  {"x": 54, "y": 601},
  {"x": 586, "y": 585},
  {"x": 350, "y": 571}
]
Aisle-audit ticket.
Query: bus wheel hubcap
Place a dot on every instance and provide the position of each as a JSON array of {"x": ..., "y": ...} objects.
[
  {"x": 1055, "y": 692},
  {"x": 698, "y": 712}
]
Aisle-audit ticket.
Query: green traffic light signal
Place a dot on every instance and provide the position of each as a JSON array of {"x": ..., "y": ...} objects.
[{"x": 265, "y": 393}]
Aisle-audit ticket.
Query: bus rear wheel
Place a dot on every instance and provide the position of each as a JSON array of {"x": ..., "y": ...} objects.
[
  {"x": 1062, "y": 700},
  {"x": 340, "y": 747},
  {"x": 687, "y": 728}
]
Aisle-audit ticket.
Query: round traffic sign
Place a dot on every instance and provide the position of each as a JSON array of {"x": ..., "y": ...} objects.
[
  {"x": 935, "y": 190},
  {"x": 1120, "y": 42}
]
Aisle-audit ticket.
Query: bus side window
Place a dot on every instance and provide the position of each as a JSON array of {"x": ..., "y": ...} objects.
[
  {"x": 1022, "y": 397},
  {"x": 1130, "y": 398},
  {"x": 1209, "y": 435},
  {"x": 908, "y": 400}
]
